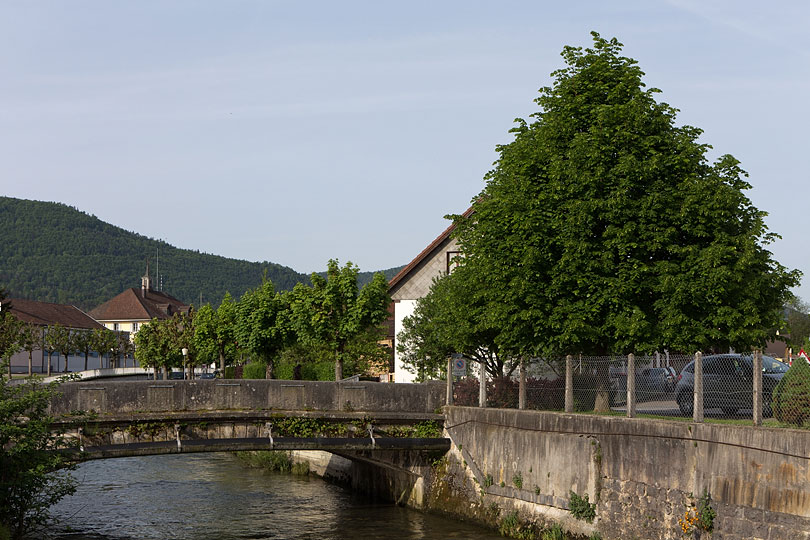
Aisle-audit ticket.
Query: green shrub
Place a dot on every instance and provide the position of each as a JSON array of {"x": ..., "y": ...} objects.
[
  {"x": 511, "y": 527},
  {"x": 581, "y": 508},
  {"x": 791, "y": 397},
  {"x": 270, "y": 460},
  {"x": 255, "y": 370},
  {"x": 229, "y": 372},
  {"x": 300, "y": 468}
]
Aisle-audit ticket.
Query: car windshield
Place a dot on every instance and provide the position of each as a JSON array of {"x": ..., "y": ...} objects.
[{"x": 772, "y": 365}]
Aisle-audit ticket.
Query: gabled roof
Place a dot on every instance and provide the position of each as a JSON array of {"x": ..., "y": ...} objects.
[
  {"x": 427, "y": 252},
  {"x": 139, "y": 305},
  {"x": 44, "y": 314}
]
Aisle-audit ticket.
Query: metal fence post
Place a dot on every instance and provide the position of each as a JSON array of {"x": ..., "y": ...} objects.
[
  {"x": 697, "y": 411},
  {"x": 569, "y": 384},
  {"x": 449, "y": 400},
  {"x": 631, "y": 385},
  {"x": 522, "y": 388},
  {"x": 757, "y": 380},
  {"x": 482, "y": 386}
]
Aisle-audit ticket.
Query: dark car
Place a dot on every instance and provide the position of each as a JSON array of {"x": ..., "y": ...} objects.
[
  {"x": 659, "y": 380},
  {"x": 728, "y": 383},
  {"x": 207, "y": 376},
  {"x": 176, "y": 375}
]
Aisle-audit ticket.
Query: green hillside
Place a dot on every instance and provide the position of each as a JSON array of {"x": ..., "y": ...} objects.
[{"x": 52, "y": 252}]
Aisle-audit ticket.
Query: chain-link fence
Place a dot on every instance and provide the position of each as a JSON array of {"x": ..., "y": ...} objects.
[{"x": 731, "y": 386}]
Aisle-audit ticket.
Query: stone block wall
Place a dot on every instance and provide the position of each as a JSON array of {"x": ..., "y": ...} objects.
[{"x": 642, "y": 474}]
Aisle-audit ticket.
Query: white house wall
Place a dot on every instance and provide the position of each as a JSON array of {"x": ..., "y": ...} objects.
[{"x": 402, "y": 309}]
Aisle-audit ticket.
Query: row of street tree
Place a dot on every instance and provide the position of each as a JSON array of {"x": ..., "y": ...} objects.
[{"x": 332, "y": 320}]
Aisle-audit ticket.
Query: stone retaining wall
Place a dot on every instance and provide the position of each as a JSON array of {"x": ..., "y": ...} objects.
[{"x": 643, "y": 474}]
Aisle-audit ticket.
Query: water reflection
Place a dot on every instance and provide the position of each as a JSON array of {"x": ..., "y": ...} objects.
[{"x": 213, "y": 496}]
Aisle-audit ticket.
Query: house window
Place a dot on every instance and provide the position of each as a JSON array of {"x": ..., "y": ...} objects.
[
  {"x": 452, "y": 260},
  {"x": 115, "y": 326},
  {"x": 135, "y": 327}
]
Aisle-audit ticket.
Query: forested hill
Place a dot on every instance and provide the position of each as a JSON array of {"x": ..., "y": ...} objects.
[{"x": 52, "y": 252}]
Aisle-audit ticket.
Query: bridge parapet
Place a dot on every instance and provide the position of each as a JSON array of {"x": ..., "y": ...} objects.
[{"x": 121, "y": 397}]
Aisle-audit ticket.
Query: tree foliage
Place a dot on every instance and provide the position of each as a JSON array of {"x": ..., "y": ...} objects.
[
  {"x": 334, "y": 310},
  {"x": 215, "y": 331},
  {"x": 160, "y": 342},
  {"x": 32, "y": 478},
  {"x": 604, "y": 229},
  {"x": 262, "y": 323},
  {"x": 797, "y": 323},
  {"x": 791, "y": 397}
]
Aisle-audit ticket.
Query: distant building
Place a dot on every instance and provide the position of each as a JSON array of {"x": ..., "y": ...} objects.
[
  {"x": 414, "y": 281},
  {"x": 134, "y": 307},
  {"x": 42, "y": 315}
]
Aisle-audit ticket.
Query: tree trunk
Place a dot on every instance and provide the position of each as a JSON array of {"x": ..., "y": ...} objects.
[
  {"x": 269, "y": 373},
  {"x": 49, "y": 363},
  {"x": 602, "y": 400},
  {"x": 86, "y": 354},
  {"x": 30, "y": 363},
  {"x": 221, "y": 363},
  {"x": 339, "y": 363}
]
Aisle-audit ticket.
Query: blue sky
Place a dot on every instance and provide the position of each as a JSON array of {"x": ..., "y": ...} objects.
[{"x": 296, "y": 132}]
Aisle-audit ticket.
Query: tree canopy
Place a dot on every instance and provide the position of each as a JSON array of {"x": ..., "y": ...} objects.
[
  {"x": 334, "y": 310},
  {"x": 604, "y": 229}
]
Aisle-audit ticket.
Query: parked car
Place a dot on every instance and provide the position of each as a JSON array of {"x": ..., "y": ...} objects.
[
  {"x": 207, "y": 376},
  {"x": 656, "y": 380},
  {"x": 728, "y": 383},
  {"x": 176, "y": 375}
]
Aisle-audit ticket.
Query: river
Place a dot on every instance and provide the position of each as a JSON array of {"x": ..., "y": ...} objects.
[{"x": 216, "y": 497}]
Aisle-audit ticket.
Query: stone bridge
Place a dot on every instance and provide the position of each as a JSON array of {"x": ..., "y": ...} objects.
[
  {"x": 381, "y": 438},
  {"x": 125, "y": 418}
]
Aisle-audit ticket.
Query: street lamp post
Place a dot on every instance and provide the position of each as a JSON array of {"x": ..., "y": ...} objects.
[{"x": 185, "y": 359}]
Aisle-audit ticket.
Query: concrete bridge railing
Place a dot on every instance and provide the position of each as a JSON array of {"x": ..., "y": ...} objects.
[{"x": 120, "y": 397}]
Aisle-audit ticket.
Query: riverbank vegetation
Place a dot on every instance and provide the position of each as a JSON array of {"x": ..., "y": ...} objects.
[
  {"x": 32, "y": 476},
  {"x": 274, "y": 461}
]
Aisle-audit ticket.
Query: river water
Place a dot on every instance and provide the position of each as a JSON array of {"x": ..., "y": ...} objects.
[{"x": 216, "y": 497}]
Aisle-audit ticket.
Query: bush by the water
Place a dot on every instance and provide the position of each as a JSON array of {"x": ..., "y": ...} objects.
[
  {"x": 272, "y": 460},
  {"x": 791, "y": 397}
]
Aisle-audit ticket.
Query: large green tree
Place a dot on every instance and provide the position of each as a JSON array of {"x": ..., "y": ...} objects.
[
  {"x": 334, "y": 310},
  {"x": 604, "y": 229},
  {"x": 30, "y": 340},
  {"x": 215, "y": 330},
  {"x": 262, "y": 324}
]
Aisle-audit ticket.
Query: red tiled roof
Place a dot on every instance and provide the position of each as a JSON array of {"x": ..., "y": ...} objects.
[
  {"x": 44, "y": 313},
  {"x": 425, "y": 253},
  {"x": 134, "y": 304}
]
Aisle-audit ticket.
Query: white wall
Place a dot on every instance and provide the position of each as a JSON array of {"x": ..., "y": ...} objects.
[{"x": 402, "y": 309}]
